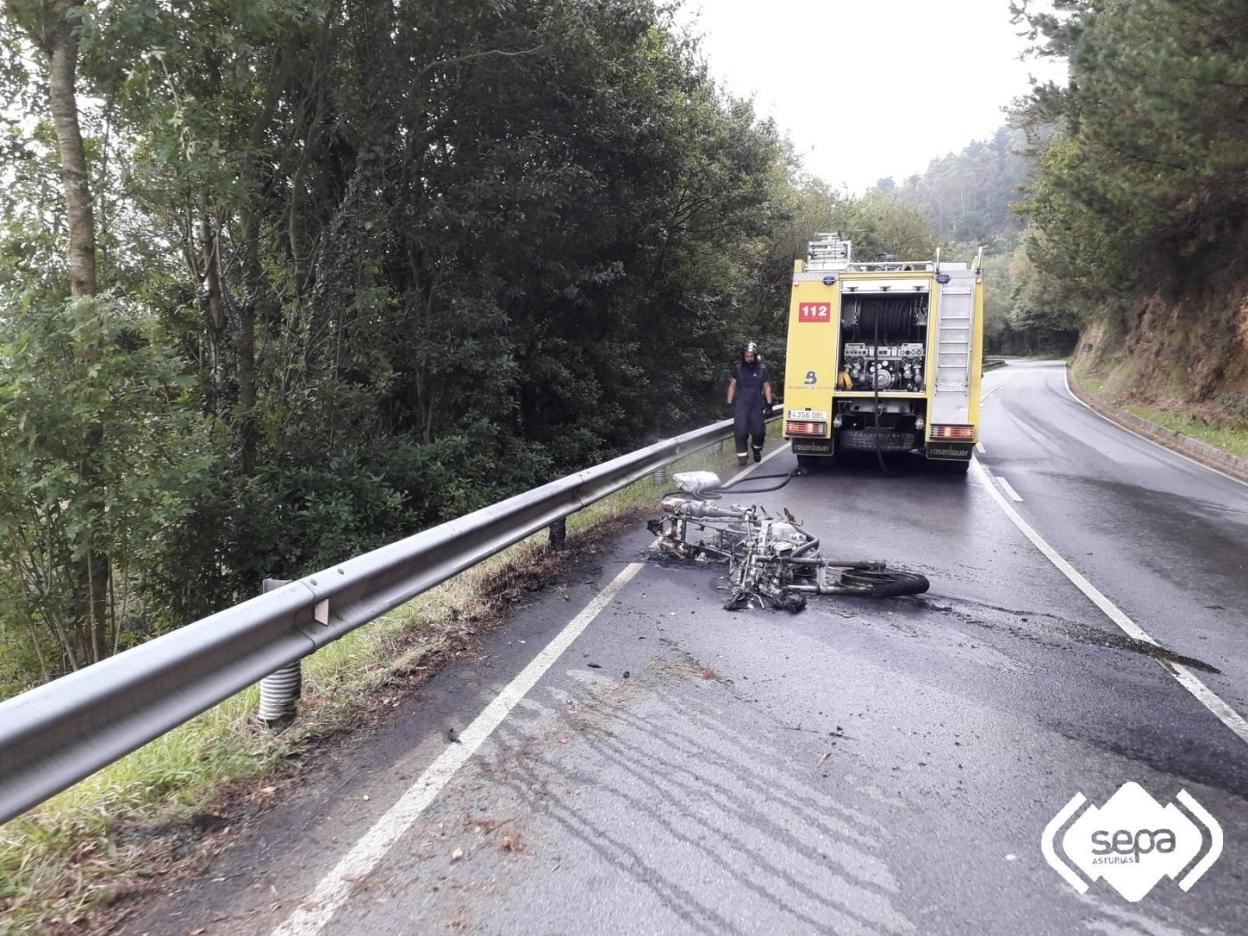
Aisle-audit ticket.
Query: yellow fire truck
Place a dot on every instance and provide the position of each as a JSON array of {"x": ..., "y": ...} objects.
[{"x": 883, "y": 357}]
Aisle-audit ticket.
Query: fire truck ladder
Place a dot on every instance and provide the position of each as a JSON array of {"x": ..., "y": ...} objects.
[{"x": 954, "y": 334}]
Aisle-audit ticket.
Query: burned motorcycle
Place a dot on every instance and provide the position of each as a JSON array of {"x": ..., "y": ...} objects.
[{"x": 771, "y": 560}]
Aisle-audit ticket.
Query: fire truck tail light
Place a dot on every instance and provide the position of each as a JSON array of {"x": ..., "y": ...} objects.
[
  {"x": 796, "y": 427},
  {"x": 958, "y": 433}
]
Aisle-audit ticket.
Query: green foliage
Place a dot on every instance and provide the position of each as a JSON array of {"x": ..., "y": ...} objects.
[
  {"x": 1145, "y": 188},
  {"x": 1045, "y": 315},
  {"x": 402, "y": 259},
  {"x": 998, "y": 300},
  {"x": 969, "y": 196},
  {"x": 975, "y": 198},
  {"x": 67, "y": 371},
  {"x": 879, "y": 224},
  {"x": 883, "y": 227}
]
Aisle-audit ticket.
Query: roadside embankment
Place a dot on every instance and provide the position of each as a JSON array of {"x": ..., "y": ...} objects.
[{"x": 1203, "y": 452}]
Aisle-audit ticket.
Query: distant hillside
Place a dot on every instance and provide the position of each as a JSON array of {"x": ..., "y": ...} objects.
[
  {"x": 968, "y": 195},
  {"x": 970, "y": 198}
]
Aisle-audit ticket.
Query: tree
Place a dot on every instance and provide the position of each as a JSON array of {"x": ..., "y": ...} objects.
[
  {"x": 882, "y": 227},
  {"x": 414, "y": 256},
  {"x": 53, "y": 27},
  {"x": 1146, "y": 183},
  {"x": 969, "y": 195},
  {"x": 125, "y": 413}
]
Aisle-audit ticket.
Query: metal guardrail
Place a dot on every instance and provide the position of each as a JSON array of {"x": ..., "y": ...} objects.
[{"x": 55, "y": 735}]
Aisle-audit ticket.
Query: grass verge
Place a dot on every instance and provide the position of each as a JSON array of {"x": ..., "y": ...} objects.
[
  {"x": 1231, "y": 435},
  {"x": 1232, "y": 439},
  {"x": 84, "y": 859}
]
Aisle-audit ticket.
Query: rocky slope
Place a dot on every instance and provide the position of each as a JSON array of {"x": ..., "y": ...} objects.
[{"x": 1188, "y": 354}]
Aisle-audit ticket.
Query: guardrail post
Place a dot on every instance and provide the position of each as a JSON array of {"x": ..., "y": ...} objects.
[
  {"x": 279, "y": 691},
  {"x": 660, "y": 474},
  {"x": 559, "y": 534}
]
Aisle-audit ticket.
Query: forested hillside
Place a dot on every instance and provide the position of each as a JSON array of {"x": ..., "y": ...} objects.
[
  {"x": 1138, "y": 210},
  {"x": 975, "y": 198},
  {"x": 280, "y": 282},
  {"x": 1129, "y": 178},
  {"x": 970, "y": 195}
]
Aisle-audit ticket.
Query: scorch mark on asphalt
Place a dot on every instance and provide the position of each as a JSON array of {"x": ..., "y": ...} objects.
[{"x": 1188, "y": 680}]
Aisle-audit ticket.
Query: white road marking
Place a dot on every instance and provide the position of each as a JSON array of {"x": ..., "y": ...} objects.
[
  {"x": 979, "y": 447},
  {"x": 335, "y": 888},
  {"x": 766, "y": 458},
  {"x": 1005, "y": 486},
  {"x": 1188, "y": 680},
  {"x": 1164, "y": 448},
  {"x": 997, "y": 386}
]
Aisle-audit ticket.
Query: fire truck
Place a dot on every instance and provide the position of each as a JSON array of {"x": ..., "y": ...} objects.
[{"x": 883, "y": 357}]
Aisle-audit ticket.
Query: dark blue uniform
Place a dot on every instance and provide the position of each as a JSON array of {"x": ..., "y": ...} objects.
[{"x": 747, "y": 405}]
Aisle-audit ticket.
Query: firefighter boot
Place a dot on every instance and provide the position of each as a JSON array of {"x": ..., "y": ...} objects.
[
  {"x": 742, "y": 459},
  {"x": 758, "y": 453}
]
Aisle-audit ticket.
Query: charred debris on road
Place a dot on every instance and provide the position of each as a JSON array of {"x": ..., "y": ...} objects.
[{"x": 773, "y": 562}]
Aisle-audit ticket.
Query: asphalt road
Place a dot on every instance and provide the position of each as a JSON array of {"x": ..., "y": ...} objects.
[{"x": 861, "y": 767}]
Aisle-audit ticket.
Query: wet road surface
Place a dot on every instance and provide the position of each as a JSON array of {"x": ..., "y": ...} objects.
[{"x": 861, "y": 767}]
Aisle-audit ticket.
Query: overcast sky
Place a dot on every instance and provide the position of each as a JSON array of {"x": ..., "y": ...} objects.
[{"x": 869, "y": 88}]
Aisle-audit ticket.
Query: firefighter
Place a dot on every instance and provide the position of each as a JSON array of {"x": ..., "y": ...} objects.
[{"x": 749, "y": 387}]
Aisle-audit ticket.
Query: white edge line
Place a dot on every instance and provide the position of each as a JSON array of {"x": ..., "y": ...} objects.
[
  {"x": 984, "y": 395},
  {"x": 1009, "y": 489},
  {"x": 979, "y": 447},
  {"x": 335, "y": 888},
  {"x": 759, "y": 464},
  {"x": 1185, "y": 677},
  {"x": 1164, "y": 448}
]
